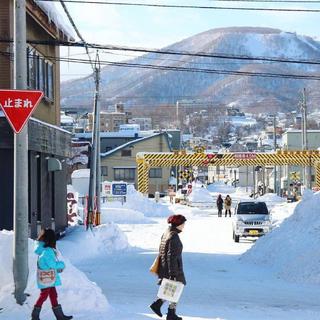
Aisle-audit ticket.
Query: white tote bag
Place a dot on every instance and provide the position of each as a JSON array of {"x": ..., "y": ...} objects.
[{"x": 170, "y": 290}]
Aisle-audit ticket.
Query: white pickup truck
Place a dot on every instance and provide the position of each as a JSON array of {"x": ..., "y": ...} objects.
[{"x": 251, "y": 219}]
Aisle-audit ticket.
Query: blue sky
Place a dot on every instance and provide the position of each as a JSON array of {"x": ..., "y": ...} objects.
[{"x": 158, "y": 27}]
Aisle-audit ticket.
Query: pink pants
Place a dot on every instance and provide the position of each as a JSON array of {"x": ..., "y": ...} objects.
[{"x": 44, "y": 294}]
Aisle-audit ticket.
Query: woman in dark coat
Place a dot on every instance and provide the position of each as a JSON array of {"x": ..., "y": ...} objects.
[
  {"x": 219, "y": 205},
  {"x": 170, "y": 265}
]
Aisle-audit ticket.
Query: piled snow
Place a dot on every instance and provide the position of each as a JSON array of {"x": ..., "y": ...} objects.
[
  {"x": 137, "y": 202},
  {"x": 80, "y": 181},
  {"x": 200, "y": 195},
  {"x": 76, "y": 288},
  {"x": 271, "y": 199},
  {"x": 292, "y": 248},
  {"x": 220, "y": 187},
  {"x": 122, "y": 215},
  {"x": 81, "y": 173},
  {"x": 102, "y": 240}
]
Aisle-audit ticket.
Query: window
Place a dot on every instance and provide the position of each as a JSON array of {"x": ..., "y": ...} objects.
[
  {"x": 104, "y": 170},
  {"x": 126, "y": 153},
  {"x": 39, "y": 73},
  {"x": 125, "y": 174},
  {"x": 155, "y": 173}
]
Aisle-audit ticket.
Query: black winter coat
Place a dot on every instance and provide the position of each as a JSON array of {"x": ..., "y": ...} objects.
[
  {"x": 170, "y": 253},
  {"x": 220, "y": 203}
]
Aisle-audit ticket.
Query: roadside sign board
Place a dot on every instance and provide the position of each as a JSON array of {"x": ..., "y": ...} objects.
[
  {"x": 119, "y": 189},
  {"x": 107, "y": 187},
  {"x": 244, "y": 156},
  {"x": 18, "y": 105}
]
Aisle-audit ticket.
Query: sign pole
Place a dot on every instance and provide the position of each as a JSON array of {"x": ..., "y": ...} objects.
[{"x": 20, "y": 242}]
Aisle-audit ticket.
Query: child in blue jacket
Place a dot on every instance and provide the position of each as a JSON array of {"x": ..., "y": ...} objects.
[{"x": 47, "y": 261}]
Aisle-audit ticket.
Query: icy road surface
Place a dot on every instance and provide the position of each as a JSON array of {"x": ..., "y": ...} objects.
[{"x": 219, "y": 285}]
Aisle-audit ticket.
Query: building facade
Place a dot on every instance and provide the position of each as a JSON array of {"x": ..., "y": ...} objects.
[
  {"x": 144, "y": 123},
  {"x": 49, "y": 145}
]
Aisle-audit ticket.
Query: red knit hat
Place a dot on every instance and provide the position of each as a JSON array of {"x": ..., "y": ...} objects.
[{"x": 177, "y": 219}]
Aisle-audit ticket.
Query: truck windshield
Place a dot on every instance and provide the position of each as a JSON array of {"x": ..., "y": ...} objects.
[{"x": 252, "y": 208}]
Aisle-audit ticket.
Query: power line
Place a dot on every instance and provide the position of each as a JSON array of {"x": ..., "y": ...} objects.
[
  {"x": 143, "y": 57},
  {"x": 173, "y": 6},
  {"x": 270, "y": 1},
  {"x": 196, "y": 70},
  {"x": 168, "y": 52}
]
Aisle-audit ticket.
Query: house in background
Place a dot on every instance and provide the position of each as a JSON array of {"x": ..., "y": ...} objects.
[
  {"x": 120, "y": 163},
  {"x": 49, "y": 145}
]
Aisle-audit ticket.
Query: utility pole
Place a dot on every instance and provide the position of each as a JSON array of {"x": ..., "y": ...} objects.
[
  {"x": 275, "y": 149},
  {"x": 95, "y": 145},
  {"x": 177, "y": 113},
  {"x": 254, "y": 181},
  {"x": 247, "y": 177},
  {"x": 304, "y": 134},
  {"x": 98, "y": 168},
  {"x": 20, "y": 240}
]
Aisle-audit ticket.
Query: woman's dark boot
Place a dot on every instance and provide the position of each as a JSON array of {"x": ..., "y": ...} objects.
[
  {"x": 59, "y": 313},
  {"x": 171, "y": 315},
  {"x": 35, "y": 313},
  {"x": 156, "y": 307}
]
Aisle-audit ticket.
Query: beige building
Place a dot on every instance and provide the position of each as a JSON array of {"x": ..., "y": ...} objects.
[
  {"x": 144, "y": 123},
  {"x": 109, "y": 121},
  {"x": 112, "y": 119},
  {"x": 120, "y": 164},
  {"x": 292, "y": 140}
]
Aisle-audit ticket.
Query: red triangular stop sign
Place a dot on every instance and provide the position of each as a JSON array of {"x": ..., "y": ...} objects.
[{"x": 18, "y": 106}]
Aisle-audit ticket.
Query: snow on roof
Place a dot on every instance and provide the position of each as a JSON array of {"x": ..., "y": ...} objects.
[
  {"x": 291, "y": 130},
  {"x": 57, "y": 15},
  {"x": 117, "y": 134},
  {"x": 50, "y": 125},
  {"x": 130, "y": 143}
]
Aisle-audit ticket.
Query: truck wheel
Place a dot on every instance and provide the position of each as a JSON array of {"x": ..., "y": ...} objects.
[{"x": 236, "y": 238}]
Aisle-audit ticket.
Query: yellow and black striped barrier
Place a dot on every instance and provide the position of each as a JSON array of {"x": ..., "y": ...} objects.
[{"x": 146, "y": 161}]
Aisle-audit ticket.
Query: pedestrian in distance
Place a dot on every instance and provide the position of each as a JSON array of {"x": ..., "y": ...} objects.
[
  {"x": 227, "y": 205},
  {"x": 219, "y": 203},
  {"x": 172, "y": 194},
  {"x": 48, "y": 278},
  {"x": 170, "y": 262}
]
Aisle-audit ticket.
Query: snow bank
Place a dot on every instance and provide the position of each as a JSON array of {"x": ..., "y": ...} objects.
[
  {"x": 137, "y": 202},
  {"x": 292, "y": 249},
  {"x": 220, "y": 187},
  {"x": 101, "y": 240},
  {"x": 271, "y": 198},
  {"x": 76, "y": 288},
  {"x": 122, "y": 215},
  {"x": 200, "y": 195}
]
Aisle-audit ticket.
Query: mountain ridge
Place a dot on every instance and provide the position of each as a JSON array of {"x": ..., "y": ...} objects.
[{"x": 155, "y": 87}]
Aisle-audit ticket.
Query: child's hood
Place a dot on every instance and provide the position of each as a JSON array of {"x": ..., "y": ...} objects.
[{"x": 39, "y": 247}]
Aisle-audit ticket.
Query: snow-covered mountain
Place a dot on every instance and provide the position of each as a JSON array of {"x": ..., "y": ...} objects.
[{"x": 135, "y": 86}]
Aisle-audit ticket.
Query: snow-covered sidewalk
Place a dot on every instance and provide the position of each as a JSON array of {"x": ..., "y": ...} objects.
[
  {"x": 112, "y": 267},
  {"x": 219, "y": 285}
]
